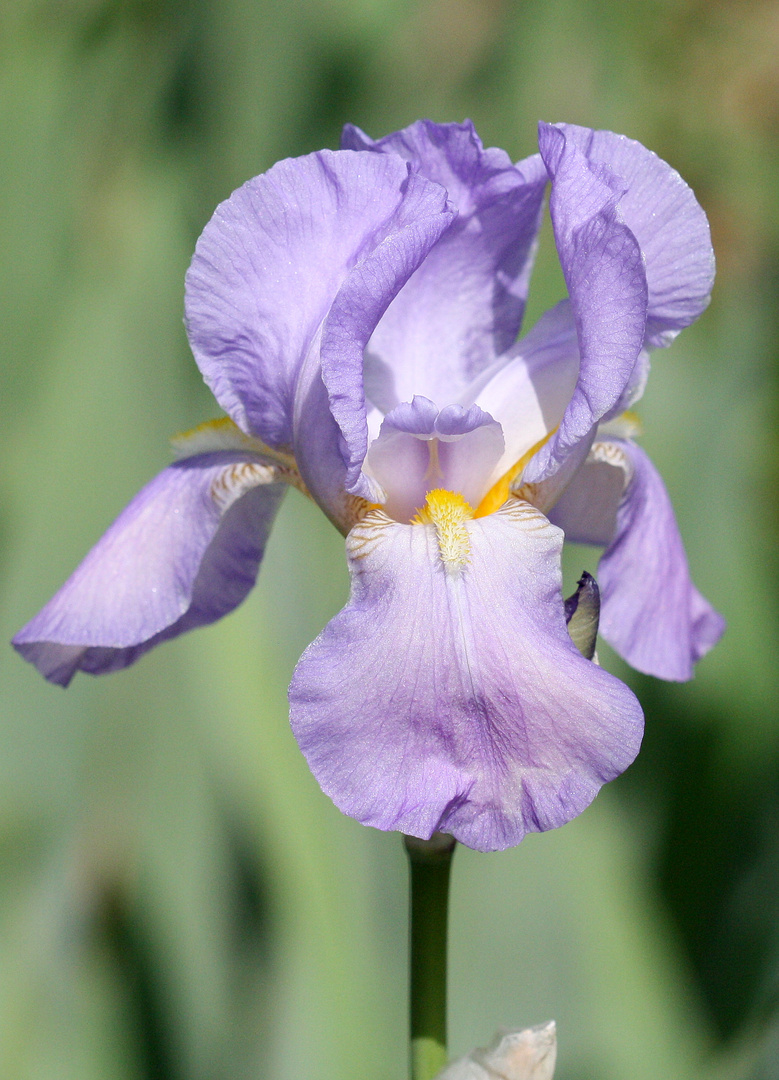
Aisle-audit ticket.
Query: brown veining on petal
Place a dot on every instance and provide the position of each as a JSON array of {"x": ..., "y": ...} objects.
[
  {"x": 238, "y": 477},
  {"x": 609, "y": 453},
  {"x": 522, "y": 509},
  {"x": 366, "y": 533}
]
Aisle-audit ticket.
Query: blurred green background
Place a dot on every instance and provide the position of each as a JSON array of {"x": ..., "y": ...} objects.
[{"x": 178, "y": 901}]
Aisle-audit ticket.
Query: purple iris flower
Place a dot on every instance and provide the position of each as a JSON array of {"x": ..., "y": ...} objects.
[{"x": 356, "y": 315}]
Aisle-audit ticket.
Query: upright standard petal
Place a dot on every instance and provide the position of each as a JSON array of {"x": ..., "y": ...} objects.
[
  {"x": 651, "y": 612},
  {"x": 331, "y": 235},
  {"x": 184, "y": 553},
  {"x": 361, "y": 301},
  {"x": 463, "y": 307},
  {"x": 529, "y": 390},
  {"x": 603, "y": 267},
  {"x": 448, "y": 695},
  {"x": 663, "y": 214}
]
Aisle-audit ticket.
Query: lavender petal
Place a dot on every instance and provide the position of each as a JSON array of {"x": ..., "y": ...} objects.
[
  {"x": 456, "y": 701},
  {"x": 184, "y": 553}
]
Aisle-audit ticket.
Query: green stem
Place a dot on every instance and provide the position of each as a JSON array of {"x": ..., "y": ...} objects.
[{"x": 429, "y": 862}]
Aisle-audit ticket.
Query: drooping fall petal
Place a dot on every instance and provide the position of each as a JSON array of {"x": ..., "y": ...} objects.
[
  {"x": 651, "y": 612},
  {"x": 184, "y": 553},
  {"x": 448, "y": 695}
]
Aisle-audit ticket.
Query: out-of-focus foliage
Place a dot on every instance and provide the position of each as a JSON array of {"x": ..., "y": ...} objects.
[{"x": 178, "y": 900}]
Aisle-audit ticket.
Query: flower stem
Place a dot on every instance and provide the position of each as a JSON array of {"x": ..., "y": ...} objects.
[{"x": 429, "y": 862}]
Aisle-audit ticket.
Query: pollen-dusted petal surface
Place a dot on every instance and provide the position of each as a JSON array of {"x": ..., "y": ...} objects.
[
  {"x": 651, "y": 612},
  {"x": 184, "y": 553},
  {"x": 456, "y": 700},
  {"x": 463, "y": 307}
]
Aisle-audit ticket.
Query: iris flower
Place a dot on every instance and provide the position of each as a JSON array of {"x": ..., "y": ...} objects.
[{"x": 356, "y": 315}]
